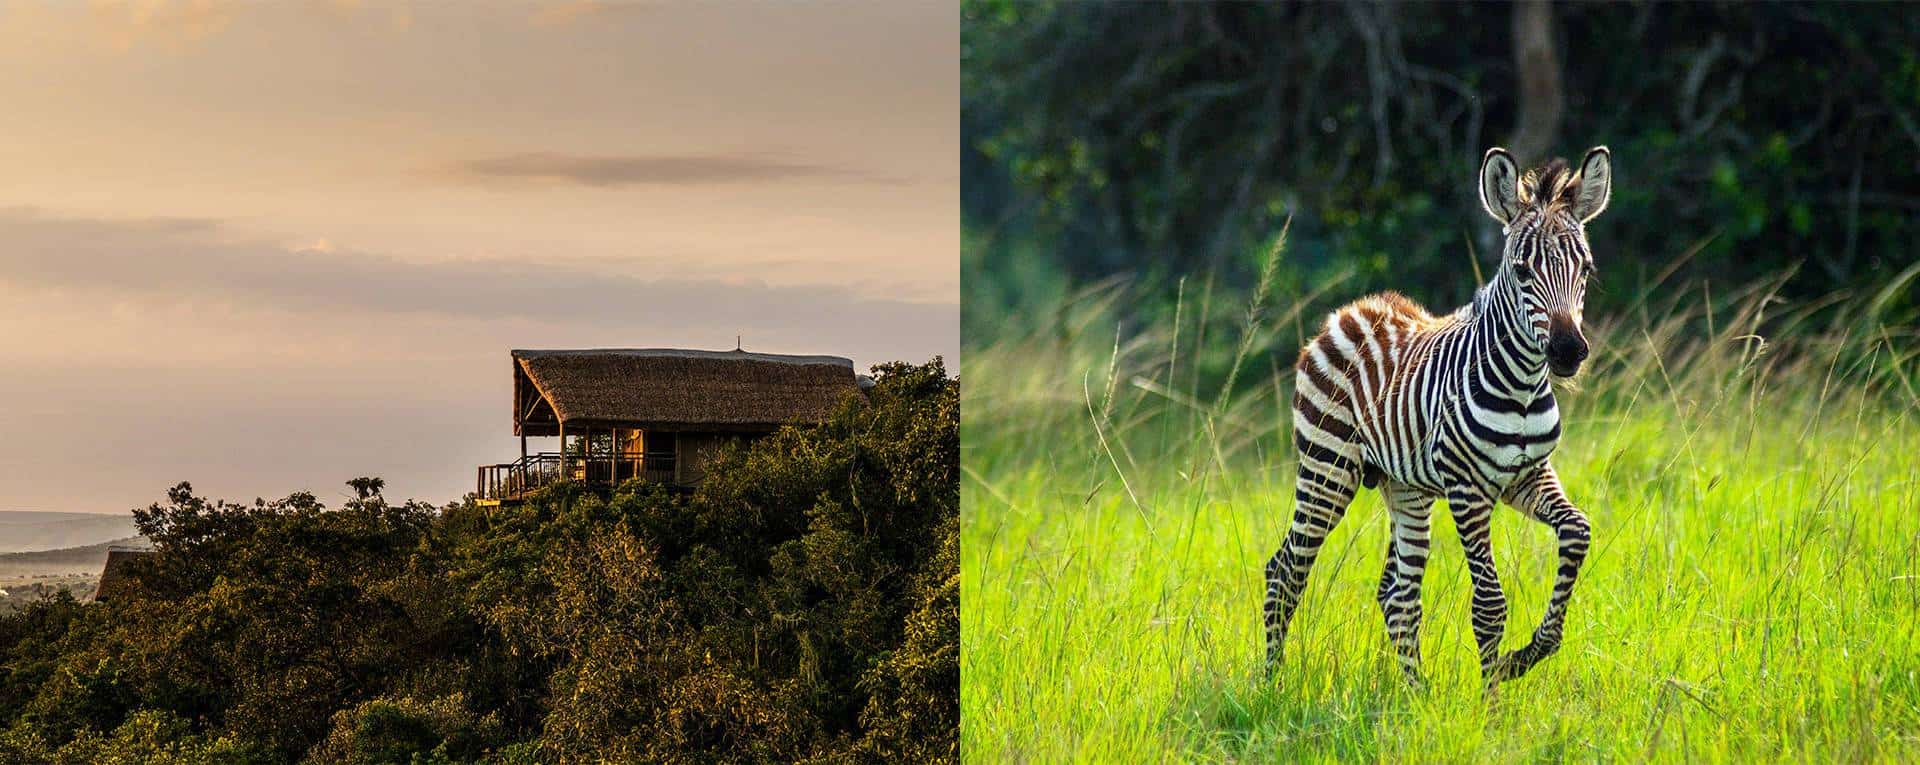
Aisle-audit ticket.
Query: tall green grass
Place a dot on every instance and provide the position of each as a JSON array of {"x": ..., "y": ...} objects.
[{"x": 1752, "y": 471}]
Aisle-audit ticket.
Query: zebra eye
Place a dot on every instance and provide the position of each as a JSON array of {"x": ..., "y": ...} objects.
[
  {"x": 1587, "y": 269},
  {"x": 1522, "y": 271}
]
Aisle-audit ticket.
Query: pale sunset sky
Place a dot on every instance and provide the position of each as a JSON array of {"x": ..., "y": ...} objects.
[{"x": 268, "y": 248}]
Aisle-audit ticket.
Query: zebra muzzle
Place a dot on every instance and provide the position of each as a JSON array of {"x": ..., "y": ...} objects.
[{"x": 1566, "y": 348}]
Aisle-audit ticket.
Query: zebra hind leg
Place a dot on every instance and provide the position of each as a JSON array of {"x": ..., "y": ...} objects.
[{"x": 1322, "y": 492}]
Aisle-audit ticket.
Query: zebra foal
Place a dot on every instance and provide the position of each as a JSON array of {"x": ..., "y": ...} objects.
[{"x": 1456, "y": 407}]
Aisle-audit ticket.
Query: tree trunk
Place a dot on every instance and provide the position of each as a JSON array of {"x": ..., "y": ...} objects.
[{"x": 1538, "y": 66}]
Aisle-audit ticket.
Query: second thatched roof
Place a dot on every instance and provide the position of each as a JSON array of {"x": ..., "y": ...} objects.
[
  {"x": 114, "y": 581},
  {"x": 675, "y": 389}
]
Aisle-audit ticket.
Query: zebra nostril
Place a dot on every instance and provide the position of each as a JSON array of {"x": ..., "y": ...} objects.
[{"x": 1567, "y": 349}]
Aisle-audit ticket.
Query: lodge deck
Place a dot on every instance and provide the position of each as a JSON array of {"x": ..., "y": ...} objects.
[{"x": 510, "y": 482}]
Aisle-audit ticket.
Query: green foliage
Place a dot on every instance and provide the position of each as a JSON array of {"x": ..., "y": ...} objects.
[
  {"x": 1158, "y": 140},
  {"x": 405, "y": 731},
  {"x": 904, "y": 723},
  {"x": 801, "y": 605},
  {"x": 147, "y": 737}
]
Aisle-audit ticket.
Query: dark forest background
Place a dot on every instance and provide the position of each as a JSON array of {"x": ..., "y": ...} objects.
[
  {"x": 1146, "y": 142},
  {"x": 801, "y": 605}
]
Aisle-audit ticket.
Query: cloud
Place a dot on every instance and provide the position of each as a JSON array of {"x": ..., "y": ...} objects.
[
  {"x": 655, "y": 170},
  {"x": 566, "y": 12},
  {"x": 126, "y": 26},
  {"x": 256, "y": 368},
  {"x": 191, "y": 261}
]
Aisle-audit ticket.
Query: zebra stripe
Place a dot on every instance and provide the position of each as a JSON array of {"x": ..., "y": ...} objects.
[{"x": 1459, "y": 407}]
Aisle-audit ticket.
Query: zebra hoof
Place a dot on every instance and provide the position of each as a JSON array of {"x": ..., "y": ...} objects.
[
  {"x": 1491, "y": 691},
  {"x": 1511, "y": 666},
  {"x": 1503, "y": 668}
]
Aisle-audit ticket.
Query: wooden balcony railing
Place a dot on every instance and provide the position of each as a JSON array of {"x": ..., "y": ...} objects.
[{"x": 515, "y": 480}]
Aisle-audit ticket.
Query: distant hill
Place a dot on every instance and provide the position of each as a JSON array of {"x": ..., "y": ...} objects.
[
  {"x": 28, "y": 530},
  {"x": 69, "y": 560}
]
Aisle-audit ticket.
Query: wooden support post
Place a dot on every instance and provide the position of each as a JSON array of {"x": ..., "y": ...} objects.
[{"x": 564, "y": 475}]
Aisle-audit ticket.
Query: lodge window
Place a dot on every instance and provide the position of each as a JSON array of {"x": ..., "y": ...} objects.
[{"x": 660, "y": 450}]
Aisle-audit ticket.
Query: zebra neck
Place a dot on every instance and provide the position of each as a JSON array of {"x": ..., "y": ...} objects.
[{"x": 1507, "y": 357}]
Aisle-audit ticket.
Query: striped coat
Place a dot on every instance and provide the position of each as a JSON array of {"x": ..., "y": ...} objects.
[{"x": 1457, "y": 407}]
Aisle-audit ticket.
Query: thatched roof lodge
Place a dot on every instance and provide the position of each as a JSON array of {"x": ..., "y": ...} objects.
[
  {"x": 658, "y": 413},
  {"x": 113, "y": 576}
]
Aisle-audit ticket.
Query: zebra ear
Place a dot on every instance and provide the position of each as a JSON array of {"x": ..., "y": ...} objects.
[
  {"x": 1596, "y": 184},
  {"x": 1500, "y": 185}
]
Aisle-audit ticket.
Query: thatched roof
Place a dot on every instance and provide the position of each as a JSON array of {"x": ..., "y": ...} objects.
[
  {"x": 672, "y": 389},
  {"x": 113, "y": 577}
]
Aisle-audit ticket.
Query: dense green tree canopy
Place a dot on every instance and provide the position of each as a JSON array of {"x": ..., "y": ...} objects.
[
  {"x": 802, "y": 605},
  {"x": 1156, "y": 140}
]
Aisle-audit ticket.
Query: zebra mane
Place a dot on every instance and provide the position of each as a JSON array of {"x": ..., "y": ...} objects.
[
  {"x": 1550, "y": 186},
  {"x": 1482, "y": 295}
]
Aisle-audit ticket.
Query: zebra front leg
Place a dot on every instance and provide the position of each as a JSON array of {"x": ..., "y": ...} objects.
[
  {"x": 1407, "y": 547},
  {"x": 1321, "y": 493},
  {"x": 1540, "y": 496},
  {"x": 1473, "y": 514}
]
